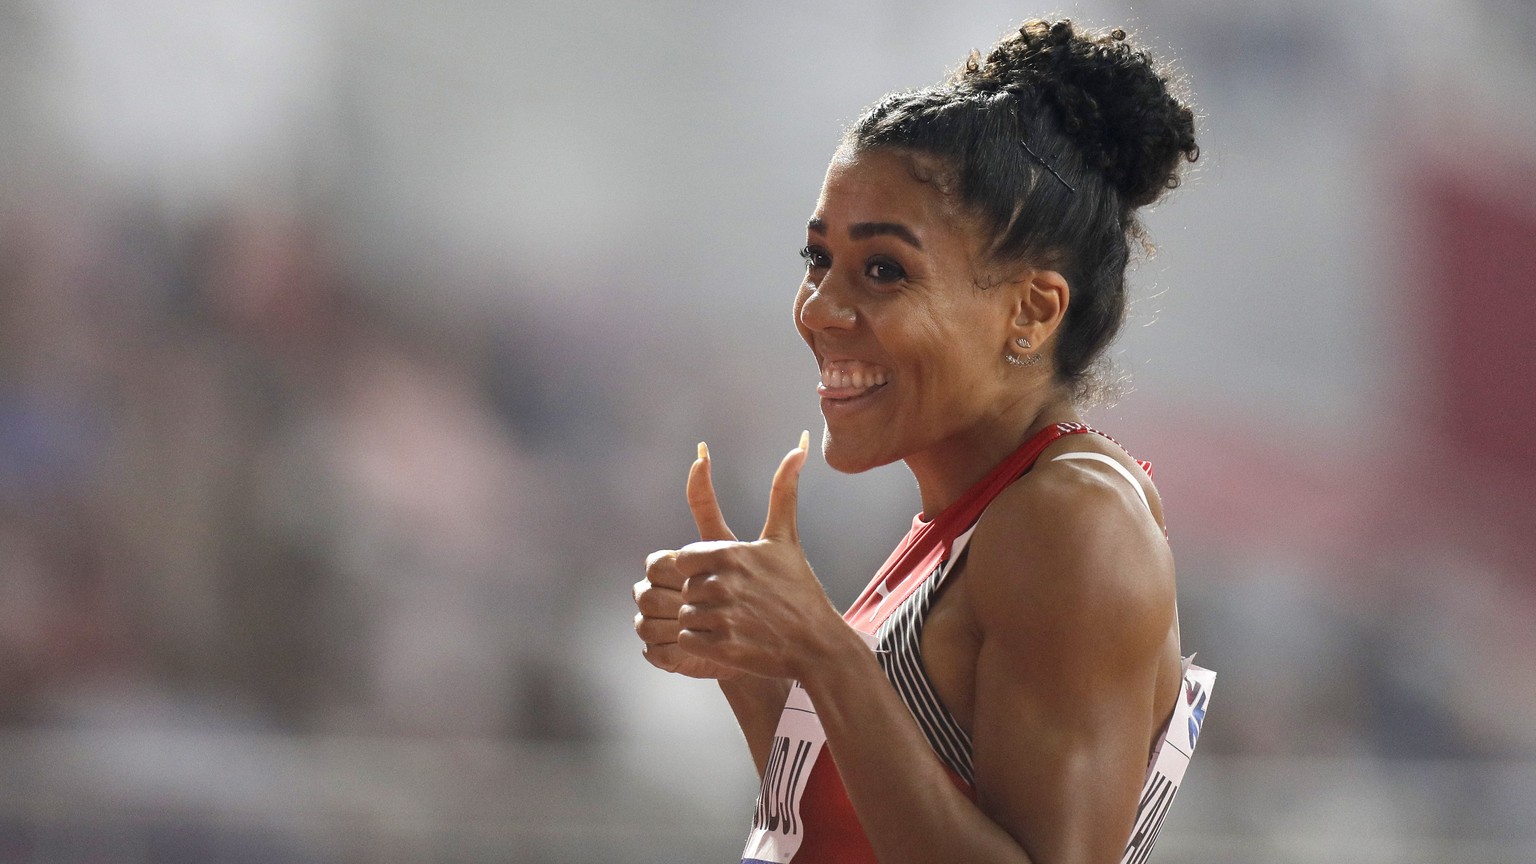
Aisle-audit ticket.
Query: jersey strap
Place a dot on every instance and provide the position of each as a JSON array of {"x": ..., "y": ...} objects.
[
  {"x": 927, "y": 546},
  {"x": 1092, "y": 456}
]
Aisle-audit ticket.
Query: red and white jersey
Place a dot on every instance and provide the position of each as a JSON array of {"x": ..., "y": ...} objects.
[{"x": 803, "y": 814}]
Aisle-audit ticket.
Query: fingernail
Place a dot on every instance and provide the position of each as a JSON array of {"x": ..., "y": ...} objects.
[
  {"x": 805, "y": 440},
  {"x": 703, "y": 451}
]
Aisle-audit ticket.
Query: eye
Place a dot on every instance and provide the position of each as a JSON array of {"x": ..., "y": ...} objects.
[
  {"x": 816, "y": 258},
  {"x": 884, "y": 270}
]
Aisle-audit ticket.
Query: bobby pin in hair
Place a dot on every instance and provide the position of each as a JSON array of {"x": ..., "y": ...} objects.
[{"x": 1046, "y": 165}]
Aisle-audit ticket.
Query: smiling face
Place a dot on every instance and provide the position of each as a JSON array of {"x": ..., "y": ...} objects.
[{"x": 908, "y": 323}]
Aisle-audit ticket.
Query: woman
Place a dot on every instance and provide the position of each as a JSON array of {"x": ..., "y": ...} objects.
[{"x": 965, "y": 270}]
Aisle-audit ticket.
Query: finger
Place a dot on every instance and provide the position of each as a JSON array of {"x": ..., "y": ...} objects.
[
  {"x": 704, "y": 588},
  {"x": 656, "y": 631},
  {"x": 709, "y": 645},
  {"x": 784, "y": 495},
  {"x": 656, "y": 602},
  {"x": 702, "y": 500},
  {"x": 661, "y": 571},
  {"x": 711, "y": 556},
  {"x": 666, "y": 657},
  {"x": 701, "y": 619}
]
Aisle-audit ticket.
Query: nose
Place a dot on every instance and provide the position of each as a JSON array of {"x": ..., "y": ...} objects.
[{"x": 822, "y": 307}]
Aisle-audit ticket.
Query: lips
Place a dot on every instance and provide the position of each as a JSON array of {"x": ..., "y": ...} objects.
[{"x": 850, "y": 379}]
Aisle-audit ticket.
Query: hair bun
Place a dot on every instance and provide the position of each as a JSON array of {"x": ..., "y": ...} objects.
[{"x": 1111, "y": 99}]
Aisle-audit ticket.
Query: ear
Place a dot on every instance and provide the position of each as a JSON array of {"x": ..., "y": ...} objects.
[{"x": 1040, "y": 305}]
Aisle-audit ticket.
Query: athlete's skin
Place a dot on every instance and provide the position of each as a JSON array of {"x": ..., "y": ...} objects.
[{"x": 1055, "y": 645}]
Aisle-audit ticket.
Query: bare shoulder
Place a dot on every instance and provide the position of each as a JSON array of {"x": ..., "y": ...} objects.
[{"x": 1069, "y": 553}]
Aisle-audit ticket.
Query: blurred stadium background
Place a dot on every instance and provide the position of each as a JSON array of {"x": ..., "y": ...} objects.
[{"x": 352, "y": 356}]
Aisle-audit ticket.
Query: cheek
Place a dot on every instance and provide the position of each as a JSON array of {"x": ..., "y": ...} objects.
[
  {"x": 929, "y": 347},
  {"x": 949, "y": 365}
]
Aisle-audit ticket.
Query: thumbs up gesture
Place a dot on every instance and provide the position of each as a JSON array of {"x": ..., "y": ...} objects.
[{"x": 721, "y": 608}]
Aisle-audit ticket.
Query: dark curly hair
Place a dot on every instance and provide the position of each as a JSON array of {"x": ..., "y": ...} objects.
[{"x": 1053, "y": 141}]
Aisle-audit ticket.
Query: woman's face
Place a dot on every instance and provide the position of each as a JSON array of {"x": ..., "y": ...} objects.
[{"x": 895, "y": 305}]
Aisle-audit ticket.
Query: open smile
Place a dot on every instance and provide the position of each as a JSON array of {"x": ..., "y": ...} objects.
[{"x": 847, "y": 380}]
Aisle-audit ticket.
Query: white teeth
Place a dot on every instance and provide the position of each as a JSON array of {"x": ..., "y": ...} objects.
[{"x": 853, "y": 375}]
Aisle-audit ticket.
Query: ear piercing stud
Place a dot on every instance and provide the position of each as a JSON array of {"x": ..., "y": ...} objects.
[{"x": 1026, "y": 360}]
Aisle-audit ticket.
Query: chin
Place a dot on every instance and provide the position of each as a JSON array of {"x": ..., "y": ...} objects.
[{"x": 845, "y": 458}]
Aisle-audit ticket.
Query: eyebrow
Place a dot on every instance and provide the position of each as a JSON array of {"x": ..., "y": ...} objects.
[{"x": 866, "y": 230}]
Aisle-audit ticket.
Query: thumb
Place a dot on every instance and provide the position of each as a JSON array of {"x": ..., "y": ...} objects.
[
  {"x": 784, "y": 496},
  {"x": 702, "y": 501}
]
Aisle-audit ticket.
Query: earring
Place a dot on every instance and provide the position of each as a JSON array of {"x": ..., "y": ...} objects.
[{"x": 1026, "y": 360}]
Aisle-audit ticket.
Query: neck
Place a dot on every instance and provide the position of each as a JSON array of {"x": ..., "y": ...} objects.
[{"x": 946, "y": 471}]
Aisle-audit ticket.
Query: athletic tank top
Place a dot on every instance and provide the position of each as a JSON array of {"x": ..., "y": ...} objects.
[{"x": 803, "y": 814}]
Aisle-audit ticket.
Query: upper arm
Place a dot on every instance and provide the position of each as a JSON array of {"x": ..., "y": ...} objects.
[{"x": 1072, "y": 590}]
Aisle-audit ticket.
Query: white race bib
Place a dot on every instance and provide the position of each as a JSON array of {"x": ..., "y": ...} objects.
[
  {"x": 1170, "y": 760},
  {"x": 777, "y": 829}
]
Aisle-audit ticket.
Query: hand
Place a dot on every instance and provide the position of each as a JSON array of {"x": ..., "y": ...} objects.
[
  {"x": 755, "y": 606},
  {"x": 659, "y": 596},
  {"x": 719, "y": 608}
]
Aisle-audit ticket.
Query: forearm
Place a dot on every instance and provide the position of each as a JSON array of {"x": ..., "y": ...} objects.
[
  {"x": 909, "y": 807},
  {"x": 757, "y": 703}
]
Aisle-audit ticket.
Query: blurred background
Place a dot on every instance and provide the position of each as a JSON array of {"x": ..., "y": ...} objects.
[{"x": 352, "y": 356}]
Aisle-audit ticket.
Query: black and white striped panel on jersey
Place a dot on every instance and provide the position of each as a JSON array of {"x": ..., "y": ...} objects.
[{"x": 900, "y": 652}]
